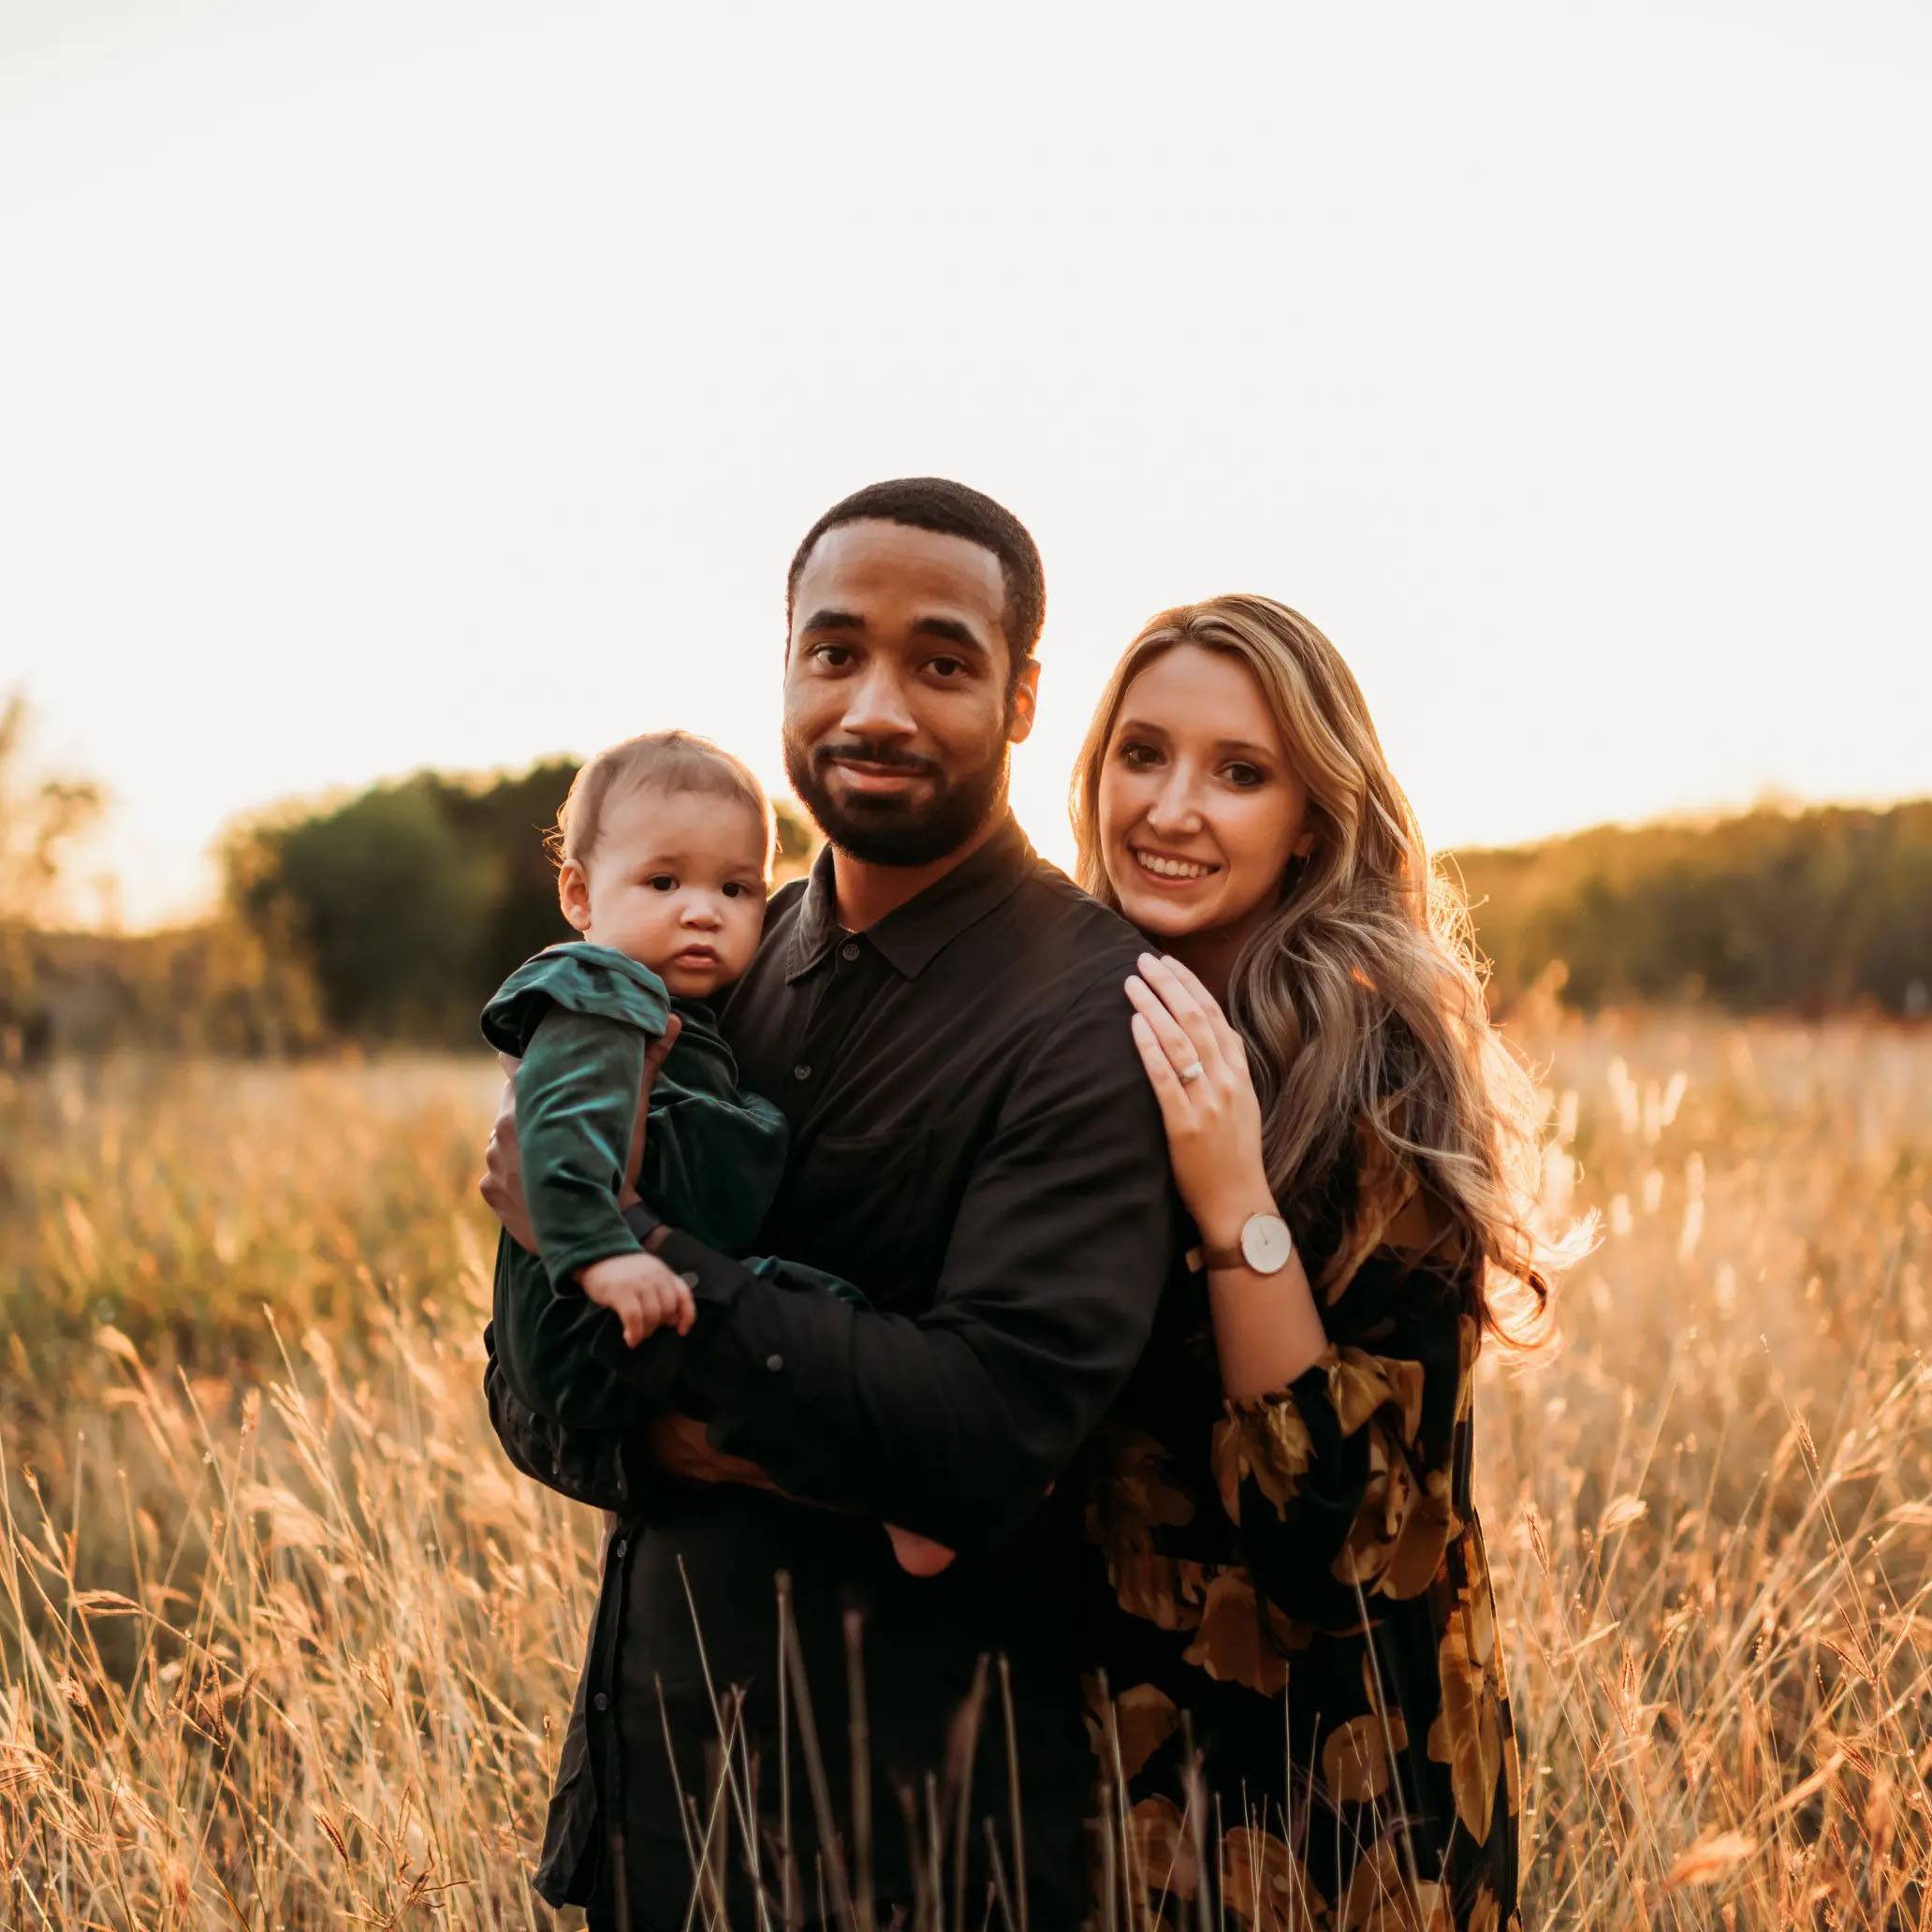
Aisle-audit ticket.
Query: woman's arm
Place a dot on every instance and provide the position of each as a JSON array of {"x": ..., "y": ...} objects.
[
  {"x": 1334, "y": 1463},
  {"x": 1266, "y": 1327}
]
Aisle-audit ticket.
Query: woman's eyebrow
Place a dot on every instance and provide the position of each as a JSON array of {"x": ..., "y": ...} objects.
[
  {"x": 1141, "y": 725},
  {"x": 1242, "y": 744}
]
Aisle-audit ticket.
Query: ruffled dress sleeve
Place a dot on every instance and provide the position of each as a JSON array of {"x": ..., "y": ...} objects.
[{"x": 1342, "y": 1484}]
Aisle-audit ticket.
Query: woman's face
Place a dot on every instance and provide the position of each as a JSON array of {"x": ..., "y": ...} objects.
[{"x": 1200, "y": 813}]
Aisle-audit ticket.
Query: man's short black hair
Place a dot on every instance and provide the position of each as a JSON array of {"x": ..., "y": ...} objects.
[{"x": 950, "y": 509}]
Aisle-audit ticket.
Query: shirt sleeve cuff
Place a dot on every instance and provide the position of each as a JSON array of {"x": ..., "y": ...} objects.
[
  {"x": 652, "y": 1369},
  {"x": 641, "y": 1219}
]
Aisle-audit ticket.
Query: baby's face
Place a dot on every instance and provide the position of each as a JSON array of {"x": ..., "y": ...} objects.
[{"x": 676, "y": 882}]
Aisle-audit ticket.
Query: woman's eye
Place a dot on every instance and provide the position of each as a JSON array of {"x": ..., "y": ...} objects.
[
  {"x": 662, "y": 881},
  {"x": 1138, "y": 755},
  {"x": 1244, "y": 777}
]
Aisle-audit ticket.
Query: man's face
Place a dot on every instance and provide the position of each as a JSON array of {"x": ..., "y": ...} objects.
[{"x": 897, "y": 716}]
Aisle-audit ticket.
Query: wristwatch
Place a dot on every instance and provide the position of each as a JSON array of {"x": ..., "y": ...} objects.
[{"x": 1264, "y": 1246}]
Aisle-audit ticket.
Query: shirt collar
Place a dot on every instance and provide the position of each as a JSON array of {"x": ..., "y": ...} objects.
[{"x": 913, "y": 935}]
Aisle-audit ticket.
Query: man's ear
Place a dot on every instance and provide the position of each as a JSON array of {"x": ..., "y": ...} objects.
[
  {"x": 574, "y": 894},
  {"x": 1024, "y": 703}
]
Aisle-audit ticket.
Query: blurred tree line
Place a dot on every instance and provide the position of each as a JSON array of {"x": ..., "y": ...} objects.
[
  {"x": 409, "y": 903},
  {"x": 1805, "y": 912},
  {"x": 392, "y": 915}
]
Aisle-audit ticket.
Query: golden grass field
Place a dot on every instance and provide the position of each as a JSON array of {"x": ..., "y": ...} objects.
[{"x": 284, "y": 1644}]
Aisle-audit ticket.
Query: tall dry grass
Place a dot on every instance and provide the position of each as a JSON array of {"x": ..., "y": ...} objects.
[{"x": 284, "y": 1643}]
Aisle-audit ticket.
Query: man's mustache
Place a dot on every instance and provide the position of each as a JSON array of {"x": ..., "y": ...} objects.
[{"x": 889, "y": 758}]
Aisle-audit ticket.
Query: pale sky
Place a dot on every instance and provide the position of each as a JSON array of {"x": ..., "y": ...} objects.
[{"x": 387, "y": 383}]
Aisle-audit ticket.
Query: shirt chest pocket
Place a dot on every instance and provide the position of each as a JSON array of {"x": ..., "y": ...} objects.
[{"x": 877, "y": 1209}]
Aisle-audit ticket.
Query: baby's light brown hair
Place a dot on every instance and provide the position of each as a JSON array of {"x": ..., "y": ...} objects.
[{"x": 665, "y": 761}]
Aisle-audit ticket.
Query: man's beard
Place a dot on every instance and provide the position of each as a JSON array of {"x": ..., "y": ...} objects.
[{"x": 895, "y": 831}]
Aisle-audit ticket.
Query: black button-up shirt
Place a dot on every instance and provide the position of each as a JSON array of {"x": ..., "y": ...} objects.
[{"x": 976, "y": 1146}]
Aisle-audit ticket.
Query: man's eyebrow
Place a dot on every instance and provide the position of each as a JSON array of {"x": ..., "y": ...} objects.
[
  {"x": 833, "y": 621},
  {"x": 951, "y": 631}
]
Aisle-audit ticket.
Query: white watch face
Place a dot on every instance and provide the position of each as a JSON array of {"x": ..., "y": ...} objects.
[{"x": 1265, "y": 1243}]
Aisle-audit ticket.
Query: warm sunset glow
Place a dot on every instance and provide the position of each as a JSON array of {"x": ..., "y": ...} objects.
[{"x": 438, "y": 384}]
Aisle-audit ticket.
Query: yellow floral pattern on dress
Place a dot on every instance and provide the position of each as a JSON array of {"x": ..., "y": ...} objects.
[{"x": 1298, "y": 1583}]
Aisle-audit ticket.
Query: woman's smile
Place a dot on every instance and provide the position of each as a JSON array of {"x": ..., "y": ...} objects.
[{"x": 1170, "y": 869}]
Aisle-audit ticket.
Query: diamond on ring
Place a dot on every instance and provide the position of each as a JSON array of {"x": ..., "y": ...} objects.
[{"x": 1192, "y": 1073}]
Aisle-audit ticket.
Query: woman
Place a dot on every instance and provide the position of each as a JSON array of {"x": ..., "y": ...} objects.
[{"x": 1296, "y": 1595}]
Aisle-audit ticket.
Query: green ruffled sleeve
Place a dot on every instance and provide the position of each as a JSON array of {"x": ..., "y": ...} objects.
[
  {"x": 580, "y": 1018},
  {"x": 576, "y": 1103}
]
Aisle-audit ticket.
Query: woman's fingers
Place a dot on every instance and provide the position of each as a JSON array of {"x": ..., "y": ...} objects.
[
  {"x": 1232, "y": 1045},
  {"x": 1184, "y": 999},
  {"x": 1166, "y": 1028},
  {"x": 1166, "y": 1083}
]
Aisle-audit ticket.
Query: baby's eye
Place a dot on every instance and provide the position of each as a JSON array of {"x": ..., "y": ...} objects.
[
  {"x": 734, "y": 890},
  {"x": 662, "y": 881}
]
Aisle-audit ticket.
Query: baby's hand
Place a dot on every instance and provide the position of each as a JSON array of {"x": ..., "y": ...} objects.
[{"x": 641, "y": 1291}]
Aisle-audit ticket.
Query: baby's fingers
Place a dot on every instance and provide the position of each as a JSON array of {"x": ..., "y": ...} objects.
[
  {"x": 687, "y": 1309},
  {"x": 637, "y": 1325}
]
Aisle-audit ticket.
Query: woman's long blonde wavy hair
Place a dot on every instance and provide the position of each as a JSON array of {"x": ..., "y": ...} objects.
[{"x": 1360, "y": 995}]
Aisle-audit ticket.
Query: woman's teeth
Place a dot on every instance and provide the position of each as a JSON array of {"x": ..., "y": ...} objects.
[{"x": 1172, "y": 868}]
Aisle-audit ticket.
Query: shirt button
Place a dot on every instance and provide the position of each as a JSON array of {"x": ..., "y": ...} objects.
[
  {"x": 774, "y": 1362},
  {"x": 849, "y": 950},
  {"x": 689, "y": 1277},
  {"x": 601, "y": 1700},
  {"x": 622, "y": 1545},
  {"x": 801, "y": 1072}
]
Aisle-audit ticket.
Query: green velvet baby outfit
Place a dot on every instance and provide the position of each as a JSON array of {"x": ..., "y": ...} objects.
[{"x": 580, "y": 1018}]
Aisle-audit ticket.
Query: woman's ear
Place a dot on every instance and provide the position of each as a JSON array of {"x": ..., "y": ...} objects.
[{"x": 574, "y": 894}]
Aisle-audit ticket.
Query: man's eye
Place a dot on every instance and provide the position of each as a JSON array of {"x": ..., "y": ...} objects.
[
  {"x": 662, "y": 881},
  {"x": 948, "y": 668},
  {"x": 834, "y": 657}
]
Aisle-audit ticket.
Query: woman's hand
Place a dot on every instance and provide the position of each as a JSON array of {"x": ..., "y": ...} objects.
[
  {"x": 502, "y": 1184},
  {"x": 1199, "y": 1070}
]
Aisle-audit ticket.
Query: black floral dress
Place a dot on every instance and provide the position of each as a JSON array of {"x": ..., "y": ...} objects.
[{"x": 1295, "y": 1588}]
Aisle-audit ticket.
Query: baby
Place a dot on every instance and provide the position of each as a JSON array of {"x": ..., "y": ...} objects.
[{"x": 665, "y": 845}]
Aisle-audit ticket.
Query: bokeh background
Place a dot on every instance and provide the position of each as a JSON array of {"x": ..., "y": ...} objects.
[{"x": 398, "y": 402}]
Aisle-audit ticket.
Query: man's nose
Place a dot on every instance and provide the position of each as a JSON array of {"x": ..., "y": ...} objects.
[{"x": 877, "y": 707}]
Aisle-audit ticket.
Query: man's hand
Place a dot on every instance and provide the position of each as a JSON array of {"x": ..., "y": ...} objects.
[
  {"x": 641, "y": 1291},
  {"x": 679, "y": 1447},
  {"x": 502, "y": 1184}
]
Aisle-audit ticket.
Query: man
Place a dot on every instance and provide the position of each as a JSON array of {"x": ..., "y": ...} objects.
[{"x": 940, "y": 1015}]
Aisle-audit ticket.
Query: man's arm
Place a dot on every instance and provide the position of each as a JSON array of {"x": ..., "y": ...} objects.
[{"x": 955, "y": 1422}]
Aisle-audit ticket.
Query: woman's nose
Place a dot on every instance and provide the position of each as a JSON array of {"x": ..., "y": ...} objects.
[{"x": 1173, "y": 809}]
